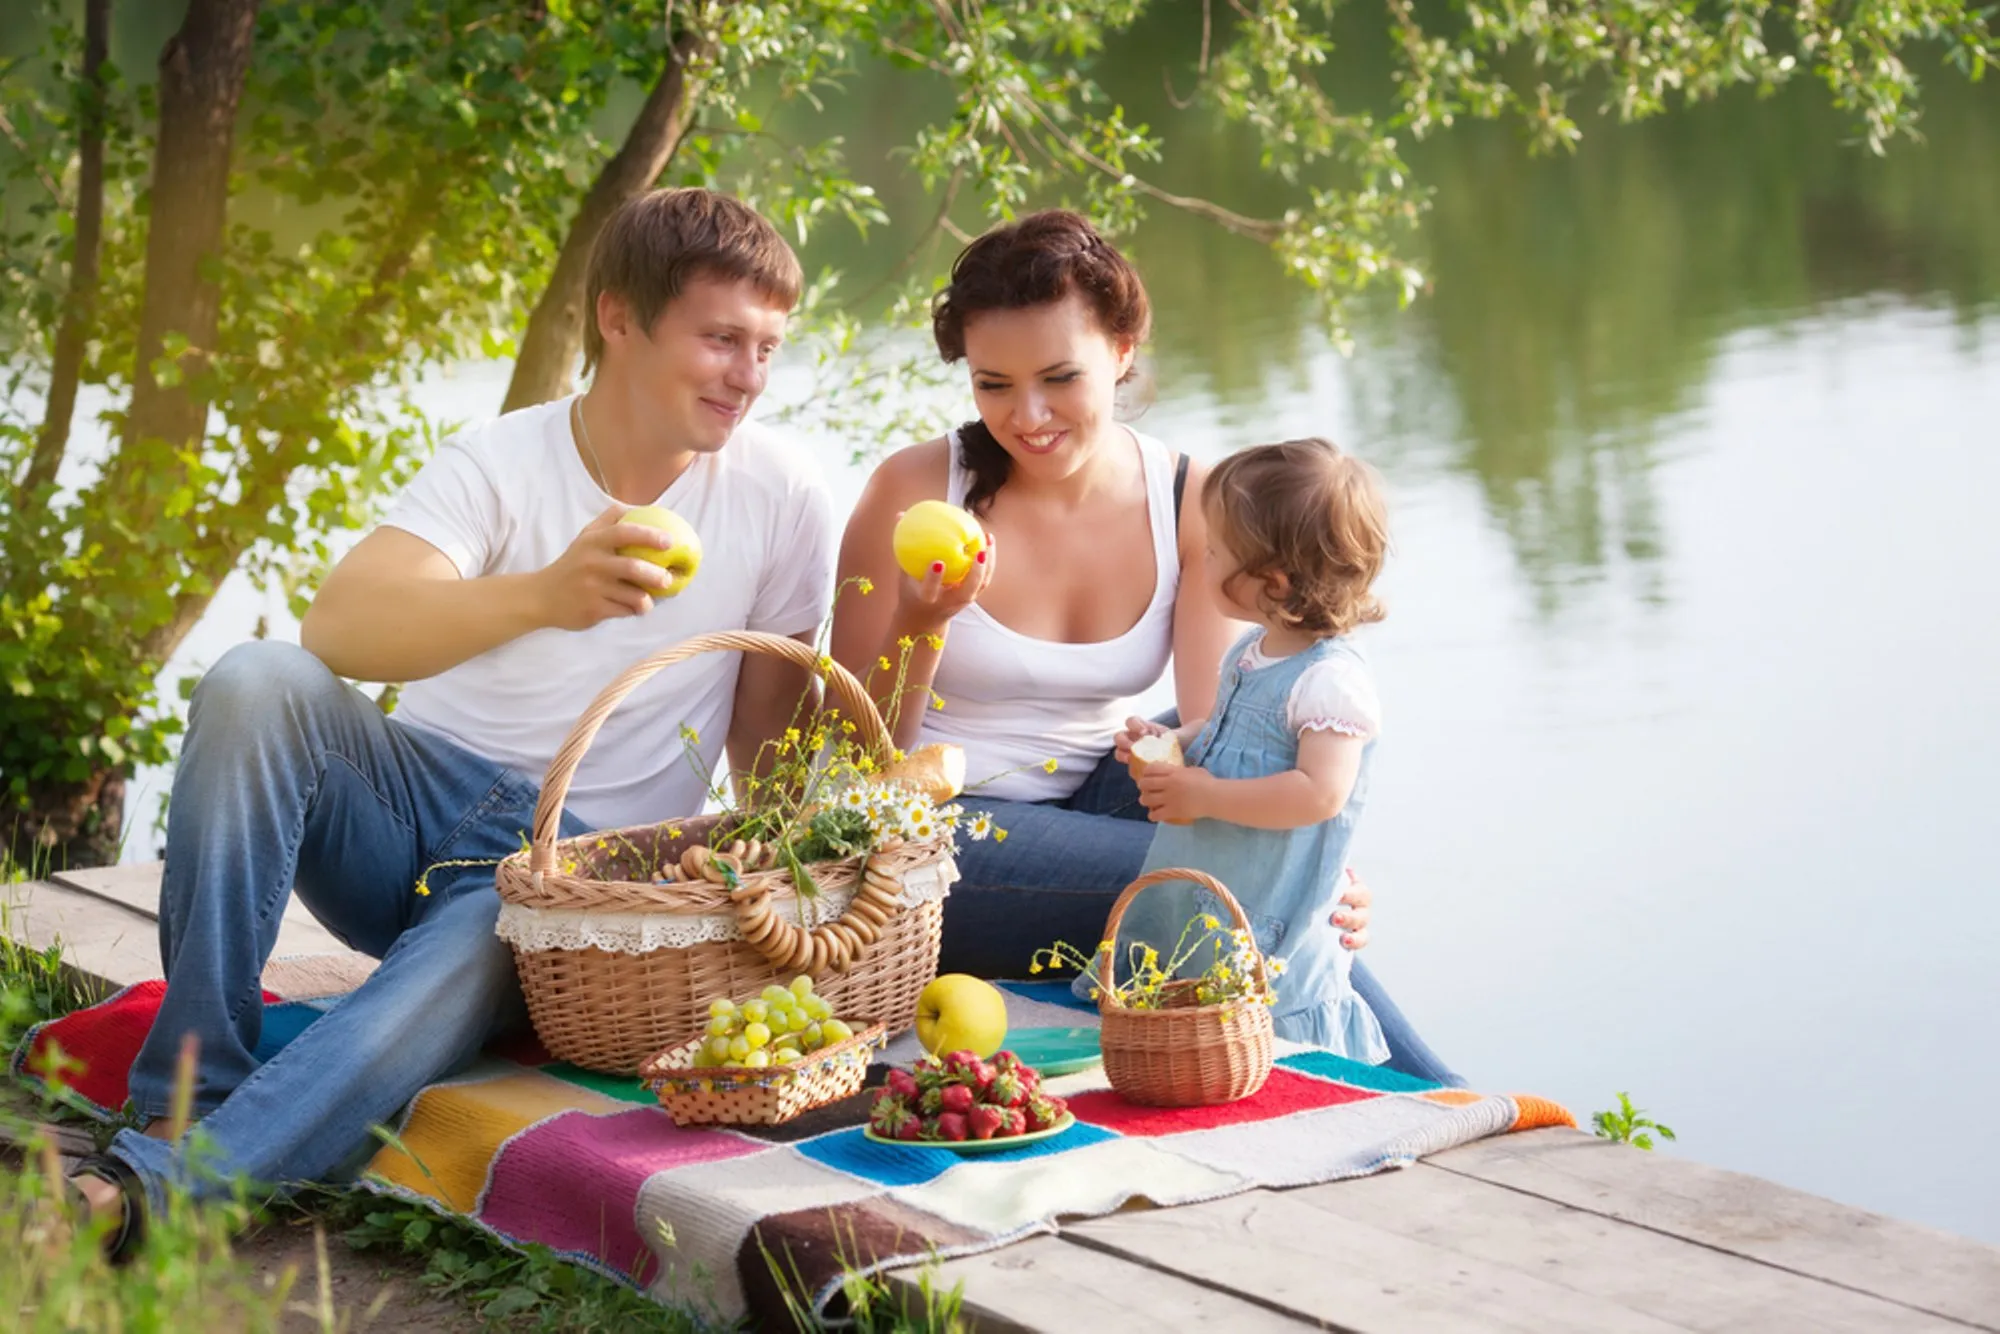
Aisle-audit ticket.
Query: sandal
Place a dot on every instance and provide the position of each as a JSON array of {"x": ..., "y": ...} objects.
[{"x": 123, "y": 1241}]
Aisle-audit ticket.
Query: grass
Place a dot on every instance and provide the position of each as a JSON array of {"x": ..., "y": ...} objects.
[{"x": 190, "y": 1274}]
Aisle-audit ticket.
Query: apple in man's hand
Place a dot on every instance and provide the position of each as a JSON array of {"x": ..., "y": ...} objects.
[{"x": 680, "y": 560}]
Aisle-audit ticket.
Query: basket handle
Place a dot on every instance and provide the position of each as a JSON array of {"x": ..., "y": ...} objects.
[
  {"x": 562, "y": 769},
  {"x": 1161, "y": 877}
]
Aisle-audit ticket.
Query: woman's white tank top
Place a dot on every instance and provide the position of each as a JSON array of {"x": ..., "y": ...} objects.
[{"x": 1014, "y": 702}]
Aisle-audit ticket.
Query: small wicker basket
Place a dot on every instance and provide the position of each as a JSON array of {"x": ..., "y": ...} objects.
[
  {"x": 1183, "y": 1054},
  {"x": 609, "y": 1009},
  {"x": 740, "y": 1096}
]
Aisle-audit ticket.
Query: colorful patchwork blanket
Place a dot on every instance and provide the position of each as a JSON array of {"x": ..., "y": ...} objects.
[{"x": 535, "y": 1151}]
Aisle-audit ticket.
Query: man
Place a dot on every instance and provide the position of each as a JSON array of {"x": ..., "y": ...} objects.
[{"x": 495, "y": 588}]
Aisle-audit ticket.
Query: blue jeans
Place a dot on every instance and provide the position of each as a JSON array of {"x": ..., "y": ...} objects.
[
  {"x": 290, "y": 778},
  {"x": 1056, "y": 876}
]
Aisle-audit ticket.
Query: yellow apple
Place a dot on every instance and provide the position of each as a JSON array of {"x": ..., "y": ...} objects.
[
  {"x": 680, "y": 560},
  {"x": 959, "y": 1012},
  {"x": 931, "y": 533}
]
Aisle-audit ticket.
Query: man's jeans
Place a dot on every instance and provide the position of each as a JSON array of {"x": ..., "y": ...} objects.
[
  {"x": 289, "y": 777},
  {"x": 1056, "y": 876}
]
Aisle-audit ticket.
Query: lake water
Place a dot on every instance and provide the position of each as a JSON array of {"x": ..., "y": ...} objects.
[{"x": 1692, "y": 749}]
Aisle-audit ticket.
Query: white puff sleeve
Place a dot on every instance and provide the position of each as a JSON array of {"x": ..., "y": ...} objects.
[{"x": 1336, "y": 695}]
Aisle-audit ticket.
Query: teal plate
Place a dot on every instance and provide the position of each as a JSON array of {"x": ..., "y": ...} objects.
[
  {"x": 973, "y": 1145},
  {"x": 1056, "y": 1051}
]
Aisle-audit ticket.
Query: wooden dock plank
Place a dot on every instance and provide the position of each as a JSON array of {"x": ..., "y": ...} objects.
[
  {"x": 1276, "y": 1247},
  {"x": 137, "y": 887},
  {"x": 103, "y": 946},
  {"x": 1746, "y": 1216},
  {"x": 1046, "y": 1283},
  {"x": 1683, "y": 1283}
]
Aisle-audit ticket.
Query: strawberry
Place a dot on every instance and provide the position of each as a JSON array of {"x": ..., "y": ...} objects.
[
  {"x": 931, "y": 1101},
  {"x": 961, "y": 1066},
  {"x": 1007, "y": 1090},
  {"x": 983, "y": 1076},
  {"x": 1013, "y": 1122},
  {"x": 984, "y": 1121},
  {"x": 927, "y": 1127},
  {"x": 1006, "y": 1060},
  {"x": 928, "y": 1072},
  {"x": 889, "y": 1115},
  {"x": 911, "y": 1130},
  {"x": 904, "y": 1084},
  {"x": 1043, "y": 1112},
  {"x": 951, "y": 1126},
  {"x": 956, "y": 1098}
]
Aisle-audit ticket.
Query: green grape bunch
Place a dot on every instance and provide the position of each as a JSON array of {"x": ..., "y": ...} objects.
[{"x": 781, "y": 1026}]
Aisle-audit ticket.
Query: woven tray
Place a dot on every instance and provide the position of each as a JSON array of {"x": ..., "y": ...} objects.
[
  {"x": 740, "y": 1096},
  {"x": 609, "y": 1010}
]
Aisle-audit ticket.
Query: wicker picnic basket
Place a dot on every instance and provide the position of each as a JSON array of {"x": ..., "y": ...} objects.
[
  {"x": 617, "y": 966},
  {"x": 1183, "y": 1054},
  {"x": 737, "y": 1095}
]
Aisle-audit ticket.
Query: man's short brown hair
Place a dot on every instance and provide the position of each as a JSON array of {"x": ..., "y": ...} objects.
[{"x": 652, "y": 246}]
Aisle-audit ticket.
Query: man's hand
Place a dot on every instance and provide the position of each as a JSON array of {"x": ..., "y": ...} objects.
[
  {"x": 1177, "y": 795},
  {"x": 590, "y": 582}
]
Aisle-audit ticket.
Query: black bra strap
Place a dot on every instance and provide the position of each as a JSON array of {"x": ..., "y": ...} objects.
[{"x": 1180, "y": 486}]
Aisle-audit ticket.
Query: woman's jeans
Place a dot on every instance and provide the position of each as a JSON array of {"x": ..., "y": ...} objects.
[
  {"x": 292, "y": 779},
  {"x": 1056, "y": 876}
]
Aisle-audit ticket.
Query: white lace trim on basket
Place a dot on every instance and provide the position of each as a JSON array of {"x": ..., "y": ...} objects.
[{"x": 642, "y": 932}]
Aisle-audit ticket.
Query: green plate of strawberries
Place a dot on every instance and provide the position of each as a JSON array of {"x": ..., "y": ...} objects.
[{"x": 963, "y": 1104}]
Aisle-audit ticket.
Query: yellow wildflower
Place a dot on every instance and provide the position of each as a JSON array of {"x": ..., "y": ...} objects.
[
  {"x": 792, "y": 735},
  {"x": 847, "y": 728},
  {"x": 818, "y": 740},
  {"x": 865, "y": 584},
  {"x": 825, "y": 665},
  {"x": 1048, "y": 766},
  {"x": 1034, "y": 968},
  {"x": 865, "y": 764},
  {"x": 883, "y": 663},
  {"x": 906, "y": 643},
  {"x": 935, "y": 641},
  {"x": 999, "y": 836},
  {"x": 937, "y": 700}
]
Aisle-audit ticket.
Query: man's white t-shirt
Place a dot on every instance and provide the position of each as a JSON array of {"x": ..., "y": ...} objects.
[{"x": 508, "y": 498}]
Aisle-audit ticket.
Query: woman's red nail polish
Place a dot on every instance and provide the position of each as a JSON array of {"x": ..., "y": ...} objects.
[
  {"x": 937, "y": 567},
  {"x": 981, "y": 558}
]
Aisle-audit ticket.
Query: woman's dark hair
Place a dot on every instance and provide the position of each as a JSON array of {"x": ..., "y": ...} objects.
[{"x": 1035, "y": 261}]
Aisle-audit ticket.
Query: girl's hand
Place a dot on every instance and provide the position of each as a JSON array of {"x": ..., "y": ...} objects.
[
  {"x": 930, "y": 603},
  {"x": 1134, "y": 729},
  {"x": 1352, "y": 912},
  {"x": 1177, "y": 795}
]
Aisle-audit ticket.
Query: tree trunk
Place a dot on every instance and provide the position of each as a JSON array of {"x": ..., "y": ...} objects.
[
  {"x": 202, "y": 72},
  {"x": 68, "y": 826},
  {"x": 554, "y": 337},
  {"x": 81, "y": 306}
]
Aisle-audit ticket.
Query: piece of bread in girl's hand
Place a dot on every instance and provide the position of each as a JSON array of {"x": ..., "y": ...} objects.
[{"x": 1156, "y": 748}]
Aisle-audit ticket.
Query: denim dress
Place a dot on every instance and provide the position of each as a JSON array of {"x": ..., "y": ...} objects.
[{"x": 1286, "y": 879}]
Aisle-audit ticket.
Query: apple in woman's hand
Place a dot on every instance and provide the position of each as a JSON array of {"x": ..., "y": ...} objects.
[
  {"x": 680, "y": 560},
  {"x": 934, "y": 533}
]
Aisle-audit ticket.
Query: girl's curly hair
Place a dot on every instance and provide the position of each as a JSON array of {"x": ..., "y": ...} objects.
[{"x": 1307, "y": 511}]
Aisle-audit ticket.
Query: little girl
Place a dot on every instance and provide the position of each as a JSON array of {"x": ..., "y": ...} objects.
[{"x": 1275, "y": 779}]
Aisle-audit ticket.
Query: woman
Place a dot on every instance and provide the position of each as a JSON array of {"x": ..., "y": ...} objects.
[{"x": 1077, "y": 605}]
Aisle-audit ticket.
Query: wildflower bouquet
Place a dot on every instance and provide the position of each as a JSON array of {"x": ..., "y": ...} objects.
[{"x": 1149, "y": 983}]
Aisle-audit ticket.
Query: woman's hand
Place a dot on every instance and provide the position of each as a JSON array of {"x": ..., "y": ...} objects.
[
  {"x": 1352, "y": 912},
  {"x": 1134, "y": 729},
  {"x": 929, "y": 604}
]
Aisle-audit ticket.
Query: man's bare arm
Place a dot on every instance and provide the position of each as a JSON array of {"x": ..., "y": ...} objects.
[{"x": 396, "y": 609}]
